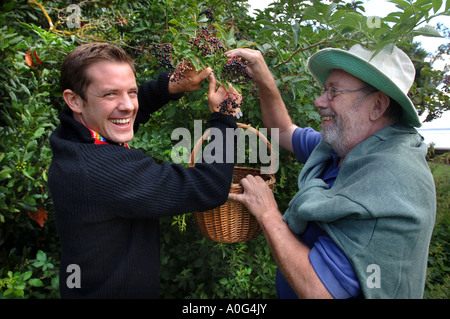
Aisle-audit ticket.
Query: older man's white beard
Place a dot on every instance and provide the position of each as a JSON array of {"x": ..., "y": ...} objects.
[{"x": 342, "y": 137}]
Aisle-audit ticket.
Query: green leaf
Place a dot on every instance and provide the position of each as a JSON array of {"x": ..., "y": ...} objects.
[
  {"x": 244, "y": 44},
  {"x": 25, "y": 89},
  {"x": 35, "y": 282},
  {"x": 26, "y": 206},
  {"x": 329, "y": 10},
  {"x": 27, "y": 275},
  {"x": 19, "y": 286},
  {"x": 401, "y": 4},
  {"x": 175, "y": 22},
  {"x": 39, "y": 132},
  {"x": 30, "y": 201},
  {"x": 8, "y": 292},
  {"x": 310, "y": 13},
  {"x": 28, "y": 175},
  {"x": 436, "y": 5},
  {"x": 4, "y": 174},
  {"x": 174, "y": 31},
  {"x": 193, "y": 26},
  {"x": 223, "y": 281},
  {"x": 28, "y": 155},
  {"x": 351, "y": 19},
  {"x": 427, "y": 31},
  {"x": 296, "y": 32},
  {"x": 42, "y": 256}
]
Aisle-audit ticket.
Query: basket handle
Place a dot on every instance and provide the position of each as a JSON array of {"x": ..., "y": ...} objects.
[{"x": 199, "y": 143}]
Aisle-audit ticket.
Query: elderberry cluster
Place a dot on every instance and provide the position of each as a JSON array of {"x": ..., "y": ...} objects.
[
  {"x": 179, "y": 73},
  {"x": 163, "y": 53},
  {"x": 235, "y": 71},
  {"x": 229, "y": 101},
  {"x": 447, "y": 83},
  {"x": 206, "y": 41}
]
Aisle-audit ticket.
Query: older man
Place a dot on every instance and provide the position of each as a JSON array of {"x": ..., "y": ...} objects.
[
  {"x": 108, "y": 198},
  {"x": 361, "y": 222}
]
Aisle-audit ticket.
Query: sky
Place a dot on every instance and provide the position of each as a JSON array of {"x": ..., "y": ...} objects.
[{"x": 437, "y": 131}]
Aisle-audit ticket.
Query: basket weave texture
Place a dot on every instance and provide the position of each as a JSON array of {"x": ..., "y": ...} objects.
[{"x": 232, "y": 222}]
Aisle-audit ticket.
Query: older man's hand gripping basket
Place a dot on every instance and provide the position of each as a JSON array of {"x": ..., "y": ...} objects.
[{"x": 232, "y": 222}]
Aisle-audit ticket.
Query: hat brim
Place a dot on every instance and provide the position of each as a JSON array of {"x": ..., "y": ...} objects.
[{"x": 324, "y": 61}]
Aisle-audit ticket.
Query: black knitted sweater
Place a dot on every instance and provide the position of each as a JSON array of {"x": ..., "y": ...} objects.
[{"x": 108, "y": 200}]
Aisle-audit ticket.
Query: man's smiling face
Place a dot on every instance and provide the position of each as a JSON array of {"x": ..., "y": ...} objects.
[
  {"x": 346, "y": 118},
  {"x": 111, "y": 102}
]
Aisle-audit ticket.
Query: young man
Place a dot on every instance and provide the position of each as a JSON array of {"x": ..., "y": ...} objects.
[
  {"x": 361, "y": 222},
  {"x": 108, "y": 198}
]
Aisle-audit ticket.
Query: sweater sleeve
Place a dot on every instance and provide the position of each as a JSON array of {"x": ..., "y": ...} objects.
[
  {"x": 153, "y": 95},
  {"x": 128, "y": 184}
]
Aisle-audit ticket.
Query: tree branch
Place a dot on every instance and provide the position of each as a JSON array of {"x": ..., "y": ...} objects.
[
  {"x": 305, "y": 49},
  {"x": 45, "y": 13}
]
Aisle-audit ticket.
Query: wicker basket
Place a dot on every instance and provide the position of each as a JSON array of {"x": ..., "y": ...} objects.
[{"x": 232, "y": 222}]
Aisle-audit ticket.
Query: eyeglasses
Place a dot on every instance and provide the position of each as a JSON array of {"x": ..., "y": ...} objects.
[{"x": 331, "y": 91}]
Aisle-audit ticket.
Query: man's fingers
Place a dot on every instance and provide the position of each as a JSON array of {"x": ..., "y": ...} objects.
[
  {"x": 231, "y": 89},
  {"x": 204, "y": 73},
  {"x": 236, "y": 197},
  {"x": 246, "y": 184},
  {"x": 217, "y": 96},
  {"x": 212, "y": 86},
  {"x": 245, "y": 53},
  {"x": 234, "y": 93},
  {"x": 259, "y": 179}
]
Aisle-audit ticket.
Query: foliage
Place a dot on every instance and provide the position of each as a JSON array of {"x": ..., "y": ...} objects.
[
  {"x": 206, "y": 269},
  {"x": 30, "y": 106},
  {"x": 438, "y": 276},
  {"x": 35, "y": 278},
  {"x": 36, "y": 35}
]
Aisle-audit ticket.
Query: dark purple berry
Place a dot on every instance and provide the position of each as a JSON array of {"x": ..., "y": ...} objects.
[
  {"x": 229, "y": 105},
  {"x": 235, "y": 71},
  {"x": 206, "y": 41},
  {"x": 163, "y": 54}
]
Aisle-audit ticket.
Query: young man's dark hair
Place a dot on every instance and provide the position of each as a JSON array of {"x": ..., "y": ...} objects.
[{"x": 73, "y": 69}]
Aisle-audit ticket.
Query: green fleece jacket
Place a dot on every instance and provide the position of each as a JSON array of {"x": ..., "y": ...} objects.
[{"x": 380, "y": 211}]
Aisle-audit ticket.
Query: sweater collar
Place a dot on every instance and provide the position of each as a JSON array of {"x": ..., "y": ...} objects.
[
  {"x": 98, "y": 139},
  {"x": 73, "y": 129}
]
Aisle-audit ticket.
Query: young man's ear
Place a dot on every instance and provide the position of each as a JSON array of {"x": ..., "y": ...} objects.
[
  {"x": 381, "y": 103},
  {"x": 73, "y": 100}
]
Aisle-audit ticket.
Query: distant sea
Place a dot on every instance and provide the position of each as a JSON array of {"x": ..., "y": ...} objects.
[{"x": 439, "y": 136}]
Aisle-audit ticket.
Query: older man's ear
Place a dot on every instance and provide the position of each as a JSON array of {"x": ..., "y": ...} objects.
[{"x": 380, "y": 105}]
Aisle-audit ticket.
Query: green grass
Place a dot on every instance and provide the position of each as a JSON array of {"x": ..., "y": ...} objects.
[{"x": 438, "y": 275}]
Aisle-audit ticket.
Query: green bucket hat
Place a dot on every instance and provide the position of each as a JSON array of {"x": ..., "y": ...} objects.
[{"x": 390, "y": 71}]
